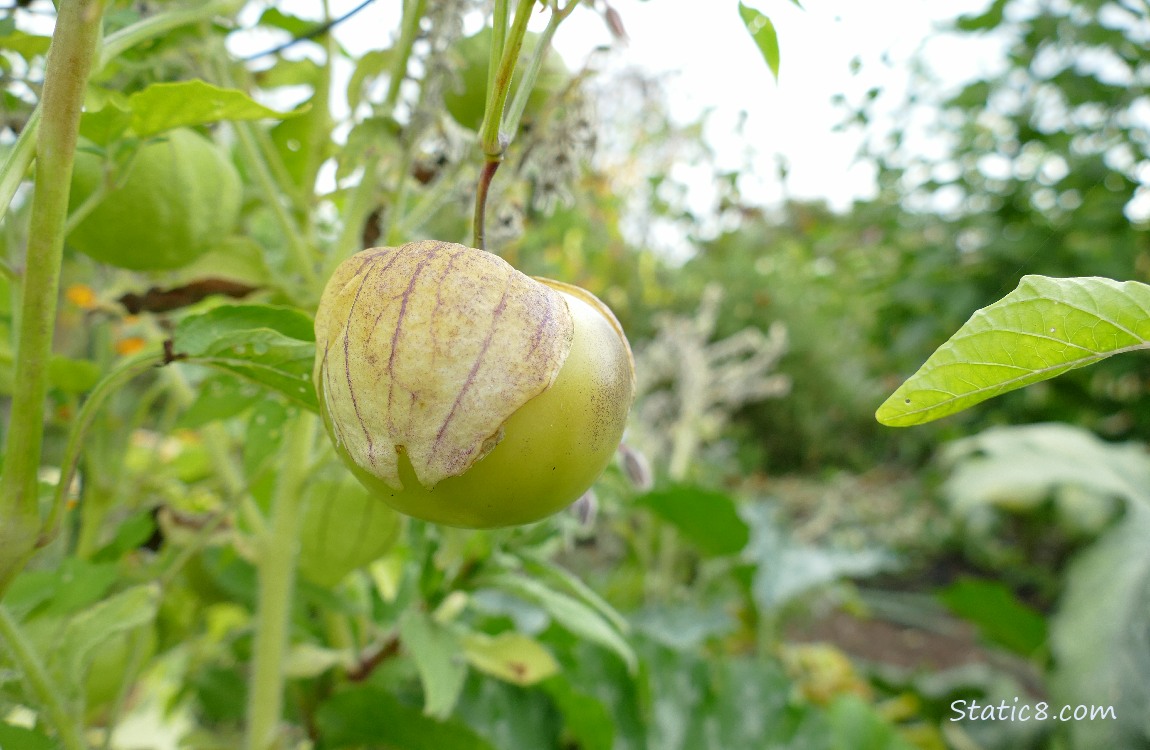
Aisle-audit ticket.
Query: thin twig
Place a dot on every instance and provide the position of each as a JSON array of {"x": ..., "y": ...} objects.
[{"x": 312, "y": 33}]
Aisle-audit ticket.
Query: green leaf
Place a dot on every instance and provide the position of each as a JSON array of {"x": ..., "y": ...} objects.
[
  {"x": 106, "y": 124},
  {"x": 130, "y": 534},
  {"x": 72, "y": 375},
  {"x": 1019, "y": 468},
  {"x": 1000, "y": 617},
  {"x": 786, "y": 569},
  {"x": 585, "y": 717},
  {"x": 510, "y": 656},
  {"x": 164, "y": 106},
  {"x": 987, "y": 20},
  {"x": 220, "y": 397},
  {"x": 89, "y": 629},
  {"x": 763, "y": 32},
  {"x": 271, "y": 346},
  {"x": 370, "y": 66},
  {"x": 302, "y": 72},
  {"x": 371, "y": 716},
  {"x": 1098, "y": 635},
  {"x": 69, "y": 588},
  {"x": 436, "y": 651},
  {"x": 570, "y": 614},
  {"x": 306, "y": 660},
  {"x": 263, "y": 437},
  {"x": 563, "y": 579},
  {"x": 706, "y": 517},
  {"x": 1042, "y": 329},
  {"x": 19, "y": 738},
  {"x": 682, "y": 626},
  {"x": 292, "y": 24},
  {"x": 508, "y": 716},
  {"x": 855, "y": 725},
  {"x": 28, "y": 46}
]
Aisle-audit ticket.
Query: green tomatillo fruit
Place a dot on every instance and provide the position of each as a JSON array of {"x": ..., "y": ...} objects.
[
  {"x": 344, "y": 527},
  {"x": 464, "y": 392},
  {"x": 467, "y": 100},
  {"x": 171, "y": 202}
]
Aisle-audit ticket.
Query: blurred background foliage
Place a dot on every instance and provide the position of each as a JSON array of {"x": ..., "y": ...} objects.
[{"x": 764, "y": 566}]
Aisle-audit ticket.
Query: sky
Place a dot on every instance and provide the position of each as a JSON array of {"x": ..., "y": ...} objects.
[
  {"x": 715, "y": 66},
  {"x": 712, "y": 65}
]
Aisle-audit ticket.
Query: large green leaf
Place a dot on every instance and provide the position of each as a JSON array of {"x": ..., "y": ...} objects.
[
  {"x": 700, "y": 702},
  {"x": 271, "y": 346},
  {"x": 1100, "y": 639},
  {"x": 1021, "y": 467},
  {"x": 1042, "y": 329},
  {"x": 706, "y": 517},
  {"x": 372, "y": 717},
  {"x": 163, "y": 106}
]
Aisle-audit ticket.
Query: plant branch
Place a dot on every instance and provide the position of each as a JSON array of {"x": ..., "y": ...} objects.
[
  {"x": 311, "y": 33},
  {"x": 129, "y": 369},
  {"x": 277, "y": 551},
  {"x": 69, "y": 64}
]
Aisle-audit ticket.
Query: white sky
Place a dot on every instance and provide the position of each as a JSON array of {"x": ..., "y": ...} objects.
[
  {"x": 716, "y": 67},
  {"x": 719, "y": 68}
]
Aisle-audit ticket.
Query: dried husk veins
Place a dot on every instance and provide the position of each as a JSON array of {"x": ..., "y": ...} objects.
[{"x": 427, "y": 349}]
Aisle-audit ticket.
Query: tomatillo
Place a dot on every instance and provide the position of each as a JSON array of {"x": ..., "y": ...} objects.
[
  {"x": 464, "y": 392},
  {"x": 168, "y": 204}
]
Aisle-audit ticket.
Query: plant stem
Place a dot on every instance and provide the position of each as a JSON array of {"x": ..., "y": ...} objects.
[
  {"x": 302, "y": 255},
  {"x": 21, "y": 157},
  {"x": 277, "y": 567},
  {"x": 32, "y": 669},
  {"x": 499, "y": 20},
  {"x": 493, "y": 140},
  {"x": 479, "y": 221},
  {"x": 65, "y": 78},
  {"x": 412, "y": 12},
  {"x": 355, "y": 212},
  {"x": 126, "y": 371},
  {"x": 531, "y": 74},
  {"x": 491, "y": 136}
]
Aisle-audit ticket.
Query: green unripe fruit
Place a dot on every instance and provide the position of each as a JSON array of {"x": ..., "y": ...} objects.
[
  {"x": 179, "y": 197},
  {"x": 467, "y": 99},
  {"x": 344, "y": 527},
  {"x": 463, "y": 392}
]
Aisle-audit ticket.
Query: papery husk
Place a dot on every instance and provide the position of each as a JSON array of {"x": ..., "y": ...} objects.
[{"x": 427, "y": 349}]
